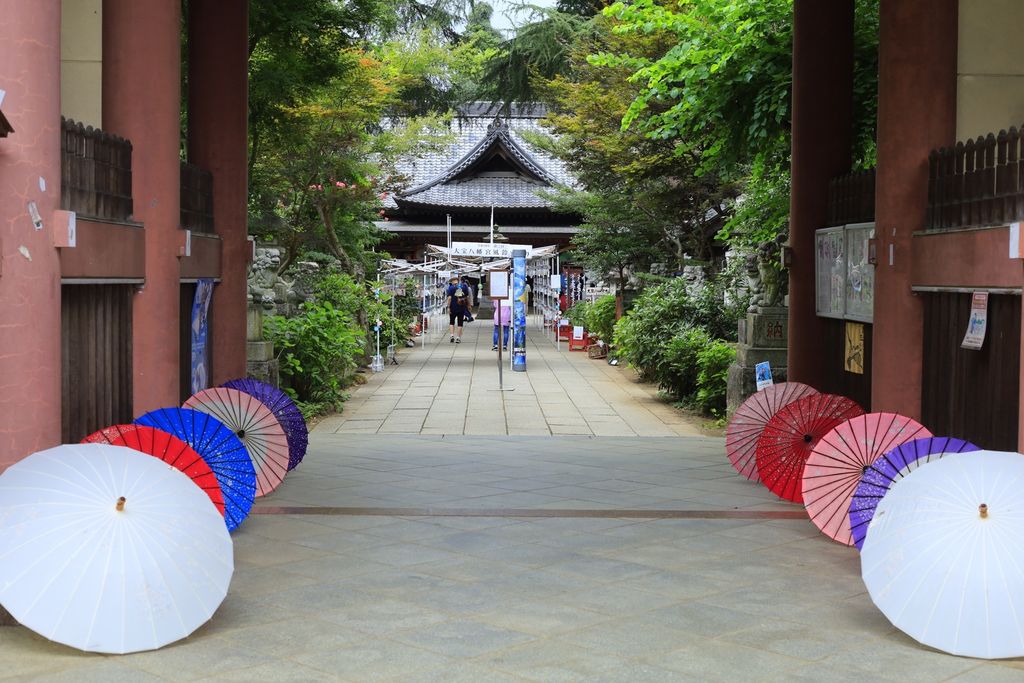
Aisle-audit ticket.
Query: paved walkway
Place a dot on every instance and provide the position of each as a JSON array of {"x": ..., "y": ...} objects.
[
  {"x": 444, "y": 555},
  {"x": 446, "y": 388}
]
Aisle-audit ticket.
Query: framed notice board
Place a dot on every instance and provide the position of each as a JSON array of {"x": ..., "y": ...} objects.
[
  {"x": 497, "y": 284},
  {"x": 860, "y": 273},
  {"x": 830, "y": 272},
  {"x": 845, "y": 272}
]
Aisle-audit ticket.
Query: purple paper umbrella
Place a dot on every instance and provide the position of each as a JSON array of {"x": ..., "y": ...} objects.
[
  {"x": 284, "y": 409},
  {"x": 879, "y": 477}
]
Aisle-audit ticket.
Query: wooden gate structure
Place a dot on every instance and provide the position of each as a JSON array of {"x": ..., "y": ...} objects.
[
  {"x": 96, "y": 355},
  {"x": 973, "y": 395}
]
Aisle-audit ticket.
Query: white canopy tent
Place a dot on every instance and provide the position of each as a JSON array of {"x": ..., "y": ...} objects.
[{"x": 440, "y": 263}]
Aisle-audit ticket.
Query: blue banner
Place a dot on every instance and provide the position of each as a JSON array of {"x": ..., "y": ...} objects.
[
  {"x": 200, "y": 328},
  {"x": 519, "y": 310}
]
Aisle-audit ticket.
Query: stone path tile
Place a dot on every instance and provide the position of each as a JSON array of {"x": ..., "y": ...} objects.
[
  {"x": 442, "y": 389},
  {"x": 432, "y": 597}
]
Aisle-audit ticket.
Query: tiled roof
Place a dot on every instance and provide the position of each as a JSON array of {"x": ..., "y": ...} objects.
[
  {"x": 478, "y": 230},
  {"x": 519, "y": 193},
  {"x": 448, "y": 178}
]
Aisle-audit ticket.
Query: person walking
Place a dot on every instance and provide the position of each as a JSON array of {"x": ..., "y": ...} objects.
[
  {"x": 470, "y": 292},
  {"x": 502, "y": 318},
  {"x": 458, "y": 306}
]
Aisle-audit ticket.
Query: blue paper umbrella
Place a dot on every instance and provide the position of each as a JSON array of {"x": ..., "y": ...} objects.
[
  {"x": 284, "y": 409},
  {"x": 889, "y": 468},
  {"x": 222, "y": 451}
]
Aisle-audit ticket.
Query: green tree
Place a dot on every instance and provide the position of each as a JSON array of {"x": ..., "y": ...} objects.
[
  {"x": 327, "y": 164},
  {"x": 722, "y": 90},
  {"x": 611, "y": 240},
  {"x": 641, "y": 195},
  {"x": 540, "y": 49}
]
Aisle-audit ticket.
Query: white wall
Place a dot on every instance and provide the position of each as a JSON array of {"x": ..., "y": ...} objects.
[
  {"x": 990, "y": 67},
  {"x": 81, "y": 61}
]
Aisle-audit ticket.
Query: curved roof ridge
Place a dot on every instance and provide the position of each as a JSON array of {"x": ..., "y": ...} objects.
[{"x": 498, "y": 132}]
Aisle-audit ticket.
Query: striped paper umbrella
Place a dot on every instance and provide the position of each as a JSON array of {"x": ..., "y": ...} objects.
[
  {"x": 749, "y": 420},
  {"x": 841, "y": 457},
  {"x": 284, "y": 409},
  {"x": 890, "y": 468},
  {"x": 255, "y": 425}
]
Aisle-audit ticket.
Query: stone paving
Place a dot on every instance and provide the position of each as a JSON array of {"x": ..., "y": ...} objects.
[
  {"x": 479, "y": 558},
  {"x": 446, "y": 388}
]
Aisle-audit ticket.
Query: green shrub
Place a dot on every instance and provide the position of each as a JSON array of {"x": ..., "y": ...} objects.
[
  {"x": 319, "y": 349},
  {"x": 680, "y": 341},
  {"x": 577, "y": 313},
  {"x": 601, "y": 317},
  {"x": 713, "y": 362},
  {"x": 342, "y": 292},
  {"x": 658, "y": 314},
  {"x": 680, "y": 369}
]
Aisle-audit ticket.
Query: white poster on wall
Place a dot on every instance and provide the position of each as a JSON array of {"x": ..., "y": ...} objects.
[{"x": 977, "y": 323}]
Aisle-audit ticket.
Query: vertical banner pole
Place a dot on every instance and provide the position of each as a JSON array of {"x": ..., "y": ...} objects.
[{"x": 519, "y": 310}]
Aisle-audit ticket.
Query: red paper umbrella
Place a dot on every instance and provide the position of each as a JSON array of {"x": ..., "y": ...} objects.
[
  {"x": 789, "y": 436},
  {"x": 749, "y": 420},
  {"x": 168, "y": 448},
  {"x": 255, "y": 425},
  {"x": 841, "y": 457}
]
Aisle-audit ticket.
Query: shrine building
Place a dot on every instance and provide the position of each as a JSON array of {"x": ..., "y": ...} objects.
[{"x": 489, "y": 168}]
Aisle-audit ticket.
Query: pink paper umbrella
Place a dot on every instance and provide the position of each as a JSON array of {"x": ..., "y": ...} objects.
[
  {"x": 255, "y": 425},
  {"x": 837, "y": 462},
  {"x": 749, "y": 420}
]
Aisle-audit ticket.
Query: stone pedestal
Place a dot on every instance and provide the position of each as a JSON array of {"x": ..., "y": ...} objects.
[
  {"x": 260, "y": 362},
  {"x": 763, "y": 336}
]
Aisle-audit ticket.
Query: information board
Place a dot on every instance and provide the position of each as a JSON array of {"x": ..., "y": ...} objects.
[
  {"x": 497, "y": 284},
  {"x": 860, "y": 274},
  {"x": 830, "y": 272}
]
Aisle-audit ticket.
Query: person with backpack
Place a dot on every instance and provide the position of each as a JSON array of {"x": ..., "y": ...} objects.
[{"x": 458, "y": 307}]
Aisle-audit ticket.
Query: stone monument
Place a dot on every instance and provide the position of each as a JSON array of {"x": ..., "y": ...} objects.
[
  {"x": 763, "y": 334},
  {"x": 260, "y": 361}
]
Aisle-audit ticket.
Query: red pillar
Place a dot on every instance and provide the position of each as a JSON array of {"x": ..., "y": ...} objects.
[
  {"x": 30, "y": 386},
  {"x": 822, "y": 141},
  {"x": 916, "y": 113},
  {"x": 142, "y": 102},
  {"x": 217, "y": 141}
]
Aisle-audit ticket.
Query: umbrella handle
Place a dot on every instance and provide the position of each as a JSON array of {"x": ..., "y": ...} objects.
[
  {"x": 983, "y": 511},
  {"x": 120, "y": 504}
]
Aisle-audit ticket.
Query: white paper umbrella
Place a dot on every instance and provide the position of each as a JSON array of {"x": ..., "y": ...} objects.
[
  {"x": 109, "y": 550},
  {"x": 944, "y": 555}
]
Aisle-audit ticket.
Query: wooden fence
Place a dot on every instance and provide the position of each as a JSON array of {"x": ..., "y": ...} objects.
[
  {"x": 196, "y": 198},
  {"x": 971, "y": 394},
  {"x": 96, "y": 172},
  {"x": 977, "y": 183},
  {"x": 851, "y": 198}
]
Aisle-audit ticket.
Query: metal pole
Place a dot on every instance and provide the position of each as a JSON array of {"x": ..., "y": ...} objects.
[
  {"x": 558, "y": 303},
  {"x": 423, "y": 313}
]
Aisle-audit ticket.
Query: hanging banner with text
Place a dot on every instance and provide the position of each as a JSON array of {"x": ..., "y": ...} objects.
[{"x": 486, "y": 249}]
